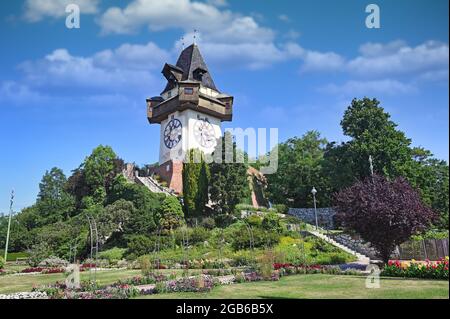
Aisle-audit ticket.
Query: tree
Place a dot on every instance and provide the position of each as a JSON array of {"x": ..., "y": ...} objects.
[
  {"x": 99, "y": 169},
  {"x": 385, "y": 213},
  {"x": 114, "y": 218},
  {"x": 147, "y": 204},
  {"x": 191, "y": 174},
  {"x": 171, "y": 213},
  {"x": 300, "y": 162},
  {"x": 53, "y": 202},
  {"x": 229, "y": 184},
  {"x": 372, "y": 133},
  {"x": 202, "y": 197}
]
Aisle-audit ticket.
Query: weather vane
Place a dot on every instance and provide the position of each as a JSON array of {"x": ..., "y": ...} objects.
[
  {"x": 195, "y": 36},
  {"x": 182, "y": 43}
]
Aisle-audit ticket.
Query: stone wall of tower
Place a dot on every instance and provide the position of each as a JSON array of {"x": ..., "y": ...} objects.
[{"x": 172, "y": 173}]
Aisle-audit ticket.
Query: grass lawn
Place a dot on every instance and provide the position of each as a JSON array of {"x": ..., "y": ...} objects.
[
  {"x": 299, "y": 286},
  {"x": 320, "y": 286}
]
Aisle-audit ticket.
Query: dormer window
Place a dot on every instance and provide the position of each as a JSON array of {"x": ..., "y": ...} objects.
[
  {"x": 169, "y": 94},
  {"x": 188, "y": 91},
  {"x": 198, "y": 74}
]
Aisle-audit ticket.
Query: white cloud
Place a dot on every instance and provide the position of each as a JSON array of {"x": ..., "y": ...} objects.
[
  {"x": 36, "y": 10},
  {"x": 322, "y": 61},
  {"x": 12, "y": 92},
  {"x": 397, "y": 58},
  {"x": 128, "y": 68},
  {"x": 368, "y": 88}
]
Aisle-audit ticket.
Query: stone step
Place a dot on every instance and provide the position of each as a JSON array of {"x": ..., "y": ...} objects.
[{"x": 361, "y": 257}]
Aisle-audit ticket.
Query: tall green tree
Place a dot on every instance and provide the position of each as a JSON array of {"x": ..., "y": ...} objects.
[
  {"x": 195, "y": 183},
  {"x": 300, "y": 162},
  {"x": 191, "y": 174},
  {"x": 53, "y": 202},
  {"x": 229, "y": 185},
  {"x": 373, "y": 133},
  {"x": 99, "y": 170}
]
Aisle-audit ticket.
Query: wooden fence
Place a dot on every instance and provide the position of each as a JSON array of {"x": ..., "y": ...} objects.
[{"x": 432, "y": 249}]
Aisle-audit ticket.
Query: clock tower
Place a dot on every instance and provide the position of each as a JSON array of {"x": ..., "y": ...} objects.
[{"x": 189, "y": 110}]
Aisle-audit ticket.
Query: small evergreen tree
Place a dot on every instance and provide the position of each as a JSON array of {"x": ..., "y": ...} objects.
[
  {"x": 229, "y": 183},
  {"x": 171, "y": 213}
]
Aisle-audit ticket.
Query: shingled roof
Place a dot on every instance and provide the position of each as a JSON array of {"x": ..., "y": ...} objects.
[{"x": 191, "y": 62}]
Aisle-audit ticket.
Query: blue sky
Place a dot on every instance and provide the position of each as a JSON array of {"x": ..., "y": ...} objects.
[{"x": 294, "y": 65}]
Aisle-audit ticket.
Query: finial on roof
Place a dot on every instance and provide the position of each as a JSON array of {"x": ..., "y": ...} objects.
[
  {"x": 195, "y": 36},
  {"x": 182, "y": 43}
]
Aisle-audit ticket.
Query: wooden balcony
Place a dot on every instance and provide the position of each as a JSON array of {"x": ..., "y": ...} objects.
[{"x": 190, "y": 97}]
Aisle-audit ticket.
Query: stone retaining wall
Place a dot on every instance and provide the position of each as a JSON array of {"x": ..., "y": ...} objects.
[{"x": 325, "y": 216}]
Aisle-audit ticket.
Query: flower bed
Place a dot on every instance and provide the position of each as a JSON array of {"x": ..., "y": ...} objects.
[
  {"x": 87, "y": 291},
  {"x": 413, "y": 269},
  {"x": 25, "y": 295},
  {"x": 202, "y": 283},
  {"x": 42, "y": 270}
]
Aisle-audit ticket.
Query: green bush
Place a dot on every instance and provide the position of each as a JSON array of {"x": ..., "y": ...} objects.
[
  {"x": 254, "y": 220},
  {"x": 272, "y": 222},
  {"x": 138, "y": 245},
  {"x": 208, "y": 223},
  {"x": 281, "y": 208},
  {"x": 194, "y": 235},
  {"x": 241, "y": 238},
  {"x": 113, "y": 255}
]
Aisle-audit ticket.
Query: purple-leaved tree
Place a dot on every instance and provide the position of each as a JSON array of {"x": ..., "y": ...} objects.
[{"x": 385, "y": 213}]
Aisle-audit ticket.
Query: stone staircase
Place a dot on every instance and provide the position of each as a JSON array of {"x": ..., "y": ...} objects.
[
  {"x": 132, "y": 176},
  {"x": 361, "y": 258},
  {"x": 153, "y": 185}
]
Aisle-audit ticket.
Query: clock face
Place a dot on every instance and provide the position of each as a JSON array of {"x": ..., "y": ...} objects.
[
  {"x": 204, "y": 133},
  {"x": 172, "y": 133}
]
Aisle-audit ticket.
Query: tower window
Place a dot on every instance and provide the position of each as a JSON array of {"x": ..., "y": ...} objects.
[
  {"x": 188, "y": 91},
  {"x": 169, "y": 94}
]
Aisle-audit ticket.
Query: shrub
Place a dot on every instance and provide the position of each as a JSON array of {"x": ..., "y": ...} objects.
[
  {"x": 38, "y": 253},
  {"x": 254, "y": 220},
  {"x": 113, "y": 255},
  {"x": 146, "y": 265},
  {"x": 241, "y": 238},
  {"x": 139, "y": 245},
  {"x": 53, "y": 261},
  {"x": 208, "y": 223},
  {"x": 198, "y": 235},
  {"x": 2, "y": 262},
  {"x": 281, "y": 208},
  {"x": 272, "y": 222}
]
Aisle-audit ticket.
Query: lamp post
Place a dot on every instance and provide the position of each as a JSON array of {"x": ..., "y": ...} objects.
[
  {"x": 9, "y": 224},
  {"x": 314, "y": 192}
]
